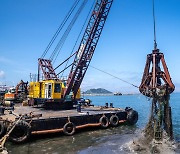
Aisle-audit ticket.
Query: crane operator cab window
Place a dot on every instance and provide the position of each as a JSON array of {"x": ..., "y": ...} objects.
[{"x": 57, "y": 88}]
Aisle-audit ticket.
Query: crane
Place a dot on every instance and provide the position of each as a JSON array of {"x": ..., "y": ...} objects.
[{"x": 54, "y": 90}]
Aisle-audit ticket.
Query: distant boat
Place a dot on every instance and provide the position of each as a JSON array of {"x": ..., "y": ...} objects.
[{"x": 117, "y": 93}]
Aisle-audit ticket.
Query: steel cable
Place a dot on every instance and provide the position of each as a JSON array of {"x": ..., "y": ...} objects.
[
  {"x": 154, "y": 21},
  {"x": 79, "y": 35},
  {"x": 66, "y": 33},
  {"x": 114, "y": 76},
  {"x": 60, "y": 27}
]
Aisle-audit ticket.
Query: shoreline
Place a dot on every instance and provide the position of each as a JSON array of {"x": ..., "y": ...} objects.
[{"x": 106, "y": 94}]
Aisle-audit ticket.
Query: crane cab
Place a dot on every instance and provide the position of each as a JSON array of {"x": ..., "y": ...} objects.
[{"x": 49, "y": 90}]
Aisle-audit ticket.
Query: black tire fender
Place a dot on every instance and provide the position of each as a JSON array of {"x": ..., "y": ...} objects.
[
  {"x": 21, "y": 132},
  {"x": 104, "y": 121},
  {"x": 114, "y": 120},
  {"x": 2, "y": 128},
  {"x": 69, "y": 128},
  {"x": 132, "y": 117}
]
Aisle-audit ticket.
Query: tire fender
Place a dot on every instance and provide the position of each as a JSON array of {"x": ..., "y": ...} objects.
[
  {"x": 69, "y": 128},
  {"x": 104, "y": 121},
  {"x": 132, "y": 117},
  {"x": 20, "y": 133},
  {"x": 114, "y": 120}
]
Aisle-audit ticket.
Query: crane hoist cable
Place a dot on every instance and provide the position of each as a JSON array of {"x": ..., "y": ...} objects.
[
  {"x": 154, "y": 21},
  {"x": 114, "y": 76},
  {"x": 61, "y": 42},
  {"x": 86, "y": 20},
  {"x": 66, "y": 33},
  {"x": 60, "y": 27}
]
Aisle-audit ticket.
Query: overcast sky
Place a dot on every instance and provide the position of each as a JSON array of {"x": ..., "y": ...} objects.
[{"x": 26, "y": 27}]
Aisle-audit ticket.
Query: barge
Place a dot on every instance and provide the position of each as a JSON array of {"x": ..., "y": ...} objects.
[{"x": 25, "y": 121}]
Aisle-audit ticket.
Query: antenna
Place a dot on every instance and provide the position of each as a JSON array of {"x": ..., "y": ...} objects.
[{"x": 154, "y": 21}]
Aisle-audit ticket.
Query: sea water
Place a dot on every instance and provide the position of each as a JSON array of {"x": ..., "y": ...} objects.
[{"x": 106, "y": 141}]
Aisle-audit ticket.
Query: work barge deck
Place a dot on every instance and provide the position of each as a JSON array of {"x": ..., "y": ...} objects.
[{"x": 25, "y": 121}]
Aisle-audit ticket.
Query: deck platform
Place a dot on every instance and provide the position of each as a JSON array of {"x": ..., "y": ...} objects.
[
  {"x": 90, "y": 110},
  {"x": 41, "y": 121}
]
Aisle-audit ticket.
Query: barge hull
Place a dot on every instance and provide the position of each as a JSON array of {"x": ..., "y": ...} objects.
[
  {"x": 79, "y": 121},
  {"x": 40, "y": 121}
]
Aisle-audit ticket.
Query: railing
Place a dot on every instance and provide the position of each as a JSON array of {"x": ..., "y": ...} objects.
[{"x": 34, "y": 77}]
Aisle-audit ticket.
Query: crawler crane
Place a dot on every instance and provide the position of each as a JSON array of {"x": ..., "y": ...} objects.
[{"x": 65, "y": 93}]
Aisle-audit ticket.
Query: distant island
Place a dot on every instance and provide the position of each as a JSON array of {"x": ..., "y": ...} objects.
[
  {"x": 102, "y": 91},
  {"x": 98, "y": 91}
]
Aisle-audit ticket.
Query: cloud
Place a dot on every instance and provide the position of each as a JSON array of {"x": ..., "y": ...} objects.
[{"x": 2, "y": 74}]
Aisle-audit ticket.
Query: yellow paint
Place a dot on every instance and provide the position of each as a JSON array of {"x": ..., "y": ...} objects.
[
  {"x": 78, "y": 95},
  {"x": 49, "y": 89},
  {"x": 34, "y": 90}
]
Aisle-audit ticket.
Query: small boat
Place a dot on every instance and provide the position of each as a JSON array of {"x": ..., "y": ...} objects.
[{"x": 117, "y": 93}]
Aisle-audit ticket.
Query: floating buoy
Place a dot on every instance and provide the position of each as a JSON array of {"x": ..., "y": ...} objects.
[
  {"x": 104, "y": 121},
  {"x": 21, "y": 132},
  {"x": 69, "y": 128},
  {"x": 114, "y": 120}
]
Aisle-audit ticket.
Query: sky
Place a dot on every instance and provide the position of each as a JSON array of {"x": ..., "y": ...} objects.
[{"x": 27, "y": 26}]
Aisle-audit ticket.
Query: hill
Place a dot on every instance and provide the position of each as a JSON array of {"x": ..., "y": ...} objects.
[{"x": 97, "y": 91}]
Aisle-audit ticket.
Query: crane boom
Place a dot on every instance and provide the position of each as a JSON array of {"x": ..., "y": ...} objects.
[{"x": 87, "y": 45}]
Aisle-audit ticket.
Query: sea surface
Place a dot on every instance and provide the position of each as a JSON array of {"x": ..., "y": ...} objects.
[{"x": 98, "y": 141}]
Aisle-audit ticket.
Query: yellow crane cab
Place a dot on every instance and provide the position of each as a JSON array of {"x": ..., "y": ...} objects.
[{"x": 49, "y": 90}]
